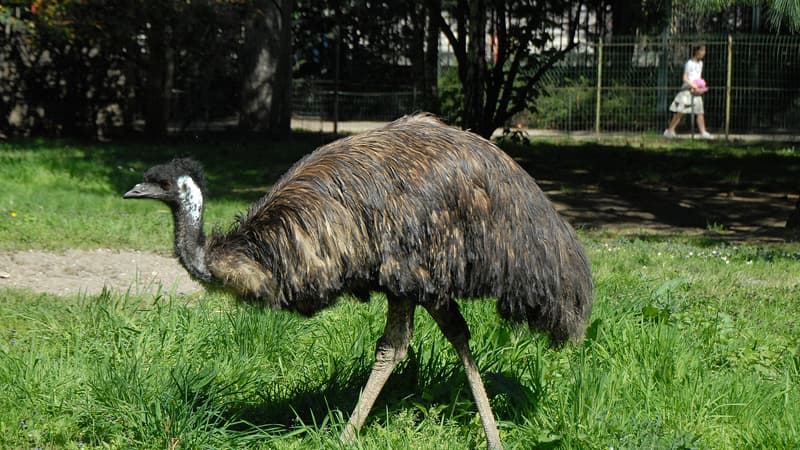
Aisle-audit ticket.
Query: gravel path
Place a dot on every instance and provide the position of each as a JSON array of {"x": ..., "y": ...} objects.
[{"x": 88, "y": 271}]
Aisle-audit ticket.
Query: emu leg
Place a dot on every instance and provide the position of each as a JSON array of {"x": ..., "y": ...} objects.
[
  {"x": 455, "y": 329},
  {"x": 390, "y": 350}
]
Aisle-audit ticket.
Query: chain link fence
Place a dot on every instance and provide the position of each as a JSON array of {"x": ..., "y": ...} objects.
[
  {"x": 626, "y": 84},
  {"x": 621, "y": 84},
  {"x": 319, "y": 101}
]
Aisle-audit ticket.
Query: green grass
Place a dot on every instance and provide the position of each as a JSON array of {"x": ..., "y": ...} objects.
[
  {"x": 56, "y": 195},
  {"x": 693, "y": 343}
]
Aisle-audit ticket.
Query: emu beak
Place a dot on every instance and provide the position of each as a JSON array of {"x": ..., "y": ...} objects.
[{"x": 142, "y": 190}]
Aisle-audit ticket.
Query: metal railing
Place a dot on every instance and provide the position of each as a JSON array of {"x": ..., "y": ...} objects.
[
  {"x": 321, "y": 100},
  {"x": 627, "y": 84},
  {"x": 622, "y": 84}
]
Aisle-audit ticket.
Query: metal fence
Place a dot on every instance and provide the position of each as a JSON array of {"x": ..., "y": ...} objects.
[
  {"x": 627, "y": 84},
  {"x": 322, "y": 100},
  {"x": 624, "y": 84}
]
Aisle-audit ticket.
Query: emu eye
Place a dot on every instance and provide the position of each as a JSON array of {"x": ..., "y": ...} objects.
[{"x": 165, "y": 185}]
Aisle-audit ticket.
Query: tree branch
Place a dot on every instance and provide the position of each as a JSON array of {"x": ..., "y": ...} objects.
[
  {"x": 520, "y": 99},
  {"x": 495, "y": 80},
  {"x": 458, "y": 45},
  {"x": 501, "y": 114}
]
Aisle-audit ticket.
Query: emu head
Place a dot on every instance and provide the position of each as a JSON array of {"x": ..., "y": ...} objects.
[{"x": 179, "y": 183}]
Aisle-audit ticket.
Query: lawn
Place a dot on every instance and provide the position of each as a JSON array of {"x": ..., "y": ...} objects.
[{"x": 694, "y": 342}]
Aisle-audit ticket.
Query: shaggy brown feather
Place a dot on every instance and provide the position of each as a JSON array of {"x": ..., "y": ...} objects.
[{"x": 419, "y": 210}]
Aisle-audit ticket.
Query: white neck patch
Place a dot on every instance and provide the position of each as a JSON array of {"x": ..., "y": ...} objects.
[{"x": 191, "y": 197}]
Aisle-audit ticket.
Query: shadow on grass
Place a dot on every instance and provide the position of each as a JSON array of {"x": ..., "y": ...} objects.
[
  {"x": 726, "y": 191},
  {"x": 723, "y": 191},
  {"x": 444, "y": 394},
  {"x": 238, "y": 167}
]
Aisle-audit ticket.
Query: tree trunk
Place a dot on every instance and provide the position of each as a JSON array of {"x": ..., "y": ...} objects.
[
  {"x": 267, "y": 68},
  {"x": 431, "y": 64},
  {"x": 474, "y": 75},
  {"x": 625, "y": 16},
  {"x": 416, "y": 52},
  {"x": 160, "y": 77},
  {"x": 626, "y": 20}
]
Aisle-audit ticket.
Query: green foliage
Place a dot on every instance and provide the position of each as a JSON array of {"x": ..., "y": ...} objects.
[
  {"x": 569, "y": 102},
  {"x": 572, "y": 104},
  {"x": 76, "y": 67},
  {"x": 780, "y": 11},
  {"x": 451, "y": 96},
  {"x": 627, "y": 108},
  {"x": 524, "y": 50}
]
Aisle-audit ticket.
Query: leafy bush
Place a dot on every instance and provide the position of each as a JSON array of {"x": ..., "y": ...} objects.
[
  {"x": 451, "y": 96},
  {"x": 569, "y": 105},
  {"x": 572, "y": 105}
]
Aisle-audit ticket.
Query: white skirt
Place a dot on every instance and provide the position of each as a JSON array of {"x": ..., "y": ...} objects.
[{"x": 683, "y": 103}]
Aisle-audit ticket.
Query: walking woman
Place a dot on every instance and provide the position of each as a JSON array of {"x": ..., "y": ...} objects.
[{"x": 689, "y": 97}]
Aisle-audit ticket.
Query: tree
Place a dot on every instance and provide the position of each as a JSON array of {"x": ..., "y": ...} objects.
[
  {"x": 159, "y": 65},
  {"x": 267, "y": 68},
  {"x": 780, "y": 11},
  {"x": 422, "y": 34},
  {"x": 64, "y": 61},
  {"x": 375, "y": 40},
  {"x": 388, "y": 45},
  {"x": 524, "y": 50},
  {"x": 187, "y": 48},
  {"x": 629, "y": 17},
  {"x": 69, "y": 65}
]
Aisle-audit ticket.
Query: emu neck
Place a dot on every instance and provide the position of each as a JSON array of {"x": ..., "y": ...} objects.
[{"x": 189, "y": 236}]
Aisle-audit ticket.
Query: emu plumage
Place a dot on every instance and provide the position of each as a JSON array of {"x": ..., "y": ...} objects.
[{"x": 418, "y": 210}]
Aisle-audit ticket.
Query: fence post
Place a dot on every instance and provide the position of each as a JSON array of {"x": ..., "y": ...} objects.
[
  {"x": 569, "y": 114},
  {"x": 663, "y": 73},
  {"x": 728, "y": 78},
  {"x": 599, "y": 85}
]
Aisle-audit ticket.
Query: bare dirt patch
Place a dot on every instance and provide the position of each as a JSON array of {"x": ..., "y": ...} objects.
[{"x": 89, "y": 271}]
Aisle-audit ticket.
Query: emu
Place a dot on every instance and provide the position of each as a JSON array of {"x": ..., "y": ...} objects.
[{"x": 421, "y": 211}]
